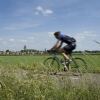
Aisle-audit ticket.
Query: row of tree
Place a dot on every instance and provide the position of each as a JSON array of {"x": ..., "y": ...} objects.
[
  {"x": 38, "y": 52},
  {"x": 26, "y": 51}
]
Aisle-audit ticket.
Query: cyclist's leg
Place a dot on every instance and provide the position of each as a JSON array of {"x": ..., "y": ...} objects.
[
  {"x": 66, "y": 57},
  {"x": 67, "y": 52}
]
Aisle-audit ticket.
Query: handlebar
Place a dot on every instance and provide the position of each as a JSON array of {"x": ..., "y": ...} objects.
[{"x": 52, "y": 51}]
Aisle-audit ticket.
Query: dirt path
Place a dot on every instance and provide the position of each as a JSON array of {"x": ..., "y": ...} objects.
[
  {"x": 87, "y": 78},
  {"x": 21, "y": 74},
  {"x": 92, "y": 78}
]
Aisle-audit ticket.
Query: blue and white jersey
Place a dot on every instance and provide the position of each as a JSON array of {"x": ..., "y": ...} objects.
[{"x": 66, "y": 39}]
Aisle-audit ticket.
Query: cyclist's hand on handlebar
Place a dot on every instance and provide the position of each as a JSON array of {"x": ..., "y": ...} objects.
[
  {"x": 48, "y": 51},
  {"x": 51, "y": 51}
]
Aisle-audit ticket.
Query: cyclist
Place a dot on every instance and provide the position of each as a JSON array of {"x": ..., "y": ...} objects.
[{"x": 66, "y": 50}]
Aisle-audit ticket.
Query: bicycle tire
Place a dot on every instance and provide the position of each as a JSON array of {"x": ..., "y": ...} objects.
[
  {"x": 79, "y": 65},
  {"x": 52, "y": 64}
]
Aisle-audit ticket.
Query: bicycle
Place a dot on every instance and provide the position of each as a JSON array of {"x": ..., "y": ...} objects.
[{"x": 75, "y": 64}]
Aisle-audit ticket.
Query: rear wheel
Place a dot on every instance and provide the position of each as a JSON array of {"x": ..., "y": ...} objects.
[{"x": 78, "y": 65}]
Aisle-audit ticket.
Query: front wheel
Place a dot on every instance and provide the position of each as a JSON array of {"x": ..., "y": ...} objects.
[{"x": 52, "y": 64}]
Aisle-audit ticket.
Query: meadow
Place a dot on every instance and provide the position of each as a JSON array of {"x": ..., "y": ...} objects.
[
  {"x": 93, "y": 61},
  {"x": 26, "y": 78}
]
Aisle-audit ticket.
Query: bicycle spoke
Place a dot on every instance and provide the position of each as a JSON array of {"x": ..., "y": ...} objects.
[
  {"x": 78, "y": 65},
  {"x": 52, "y": 64}
]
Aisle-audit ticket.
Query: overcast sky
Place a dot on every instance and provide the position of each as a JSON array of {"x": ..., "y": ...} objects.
[{"x": 32, "y": 22}]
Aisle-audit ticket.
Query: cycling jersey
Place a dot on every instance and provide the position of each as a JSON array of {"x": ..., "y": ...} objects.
[{"x": 66, "y": 39}]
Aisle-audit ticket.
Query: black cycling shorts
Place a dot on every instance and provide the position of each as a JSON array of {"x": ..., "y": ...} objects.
[{"x": 69, "y": 48}]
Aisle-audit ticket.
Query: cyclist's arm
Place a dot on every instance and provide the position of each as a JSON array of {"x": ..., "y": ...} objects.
[{"x": 57, "y": 45}]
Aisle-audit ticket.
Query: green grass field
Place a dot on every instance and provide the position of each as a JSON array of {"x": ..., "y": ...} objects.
[
  {"x": 26, "y": 78},
  {"x": 93, "y": 61}
]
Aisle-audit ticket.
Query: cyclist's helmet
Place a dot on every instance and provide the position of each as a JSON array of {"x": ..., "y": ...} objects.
[{"x": 57, "y": 34}]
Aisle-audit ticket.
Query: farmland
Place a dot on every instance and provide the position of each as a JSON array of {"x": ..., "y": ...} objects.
[{"x": 26, "y": 78}]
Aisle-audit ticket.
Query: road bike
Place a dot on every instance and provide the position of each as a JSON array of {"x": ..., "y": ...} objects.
[{"x": 74, "y": 64}]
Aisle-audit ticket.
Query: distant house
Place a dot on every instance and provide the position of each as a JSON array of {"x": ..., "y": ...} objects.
[{"x": 1, "y": 52}]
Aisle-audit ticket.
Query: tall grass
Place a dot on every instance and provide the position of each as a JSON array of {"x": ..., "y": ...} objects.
[
  {"x": 26, "y": 78},
  {"x": 23, "y": 84}
]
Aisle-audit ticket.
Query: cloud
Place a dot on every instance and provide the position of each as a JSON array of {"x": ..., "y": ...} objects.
[
  {"x": 82, "y": 36},
  {"x": 11, "y": 40},
  {"x": 31, "y": 38},
  {"x": 39, "y": 8},
  {"x": 20, "y": 26},
  {"x": 85, "y": 40},
  {"x": 23, "y": 41},
  {"x": 43, "y": 11}
]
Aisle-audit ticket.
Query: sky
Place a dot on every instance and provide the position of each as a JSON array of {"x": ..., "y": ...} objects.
[{"x": 33, "y": 22}]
